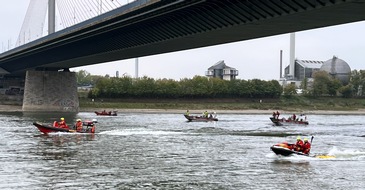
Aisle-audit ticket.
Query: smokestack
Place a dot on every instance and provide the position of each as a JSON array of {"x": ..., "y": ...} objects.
[
  {"x": 281, "y": 64},
  {"x": 136, "y": 67},
  {"x": 292, "y": 54}
]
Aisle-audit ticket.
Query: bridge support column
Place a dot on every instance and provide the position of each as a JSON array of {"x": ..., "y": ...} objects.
[{"x": 50, "y": 91}]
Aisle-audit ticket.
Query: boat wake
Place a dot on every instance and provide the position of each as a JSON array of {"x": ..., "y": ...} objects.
[
  {"x": 333, "y": 154},
  {"x": 129, "y": 132},
  {"x": 348, "y": 154}
]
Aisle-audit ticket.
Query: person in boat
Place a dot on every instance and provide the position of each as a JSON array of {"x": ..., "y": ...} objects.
[
  {"x": 306, "y": 146},
  {"x": 90, "y": 125},
  {"x": 62, "y": 123},
  {"x": 274, "y": 115},
  {"x": 303, "y": 117},
  {"x": 78, "y": 125},
  {"x": 277, "y": 114},
  {"x": 187, "y": 113},
  {"x": 294, "y": 117},
  {"x": 298, "y": 146},
  {"x": 205, "y": 114}
]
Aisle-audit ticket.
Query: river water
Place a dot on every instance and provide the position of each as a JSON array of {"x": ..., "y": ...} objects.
[{"x": 163, "y": 151}]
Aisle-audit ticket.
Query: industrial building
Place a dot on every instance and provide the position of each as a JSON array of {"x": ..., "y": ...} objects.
[
  {"x": 297, "y": 69},
  {"x": 336, "y": 67},
  {"x": 302, "y": 69},
  {"x": 221, "y": 70}
]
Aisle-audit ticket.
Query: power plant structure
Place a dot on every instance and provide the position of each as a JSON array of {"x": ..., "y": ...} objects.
[{"x": 298, "y": 70}]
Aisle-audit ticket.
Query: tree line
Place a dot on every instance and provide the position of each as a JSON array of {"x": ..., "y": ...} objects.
[
  {"x": 323, "y": 84},
  {"x": 197, "y": 87}
]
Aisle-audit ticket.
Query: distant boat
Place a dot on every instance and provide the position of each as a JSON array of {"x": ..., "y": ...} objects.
[
  {"x": 200, "y": 118},
  {"x": 110, "y": 113},
  {"x": 283, "y": 121}
]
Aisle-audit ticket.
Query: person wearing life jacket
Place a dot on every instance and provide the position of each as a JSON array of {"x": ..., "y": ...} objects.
[
  {"x": 277, "y": 114},
  {"x": 78, "y": 125},
  {"x": 299, "y": 144},
  {"x": 187, "y": 113},
  {"x": 306, "y": 146},
  {"x": 93, "y": 127},
  {"x": 205, "y": 114},
  {"x": 62, "y": 123}
]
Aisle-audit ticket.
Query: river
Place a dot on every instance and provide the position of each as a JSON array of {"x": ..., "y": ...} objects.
[{"x": 163, "y": 151}]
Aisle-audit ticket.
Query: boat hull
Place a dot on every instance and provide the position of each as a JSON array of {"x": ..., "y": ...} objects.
[
  {"x": 283, "y": 151},
  {"x": 106, "y": 113},
  {"x": 280, "y": 122},
  {"x": 200, "y": 118},
  {"x": 49, "y": 129}
]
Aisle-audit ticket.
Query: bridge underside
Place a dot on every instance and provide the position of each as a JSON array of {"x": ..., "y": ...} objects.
[
  {"x": 165, "y": 26},
  {"x": 148, "y": 27}
]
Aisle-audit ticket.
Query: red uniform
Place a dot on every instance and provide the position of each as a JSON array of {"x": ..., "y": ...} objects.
[
  {"x": 299, "y": 145},
  {"x": 306, "y": 147},
  {"x": 78, "y": 126},
  {"x": 62, "y": 124}
]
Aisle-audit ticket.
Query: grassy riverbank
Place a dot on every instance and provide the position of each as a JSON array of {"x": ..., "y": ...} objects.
[
  {"x": 289, "y": 104},
  {"x": 326, "y": 105}
]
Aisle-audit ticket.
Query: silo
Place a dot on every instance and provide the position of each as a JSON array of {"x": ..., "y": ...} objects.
[{"x": 337, "y": 68}]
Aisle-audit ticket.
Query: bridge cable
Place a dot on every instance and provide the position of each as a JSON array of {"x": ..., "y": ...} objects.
[{"x": 61, "y": 10}]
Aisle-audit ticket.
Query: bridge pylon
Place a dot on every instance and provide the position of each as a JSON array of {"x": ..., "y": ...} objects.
[{"x": 50, "y": 91}]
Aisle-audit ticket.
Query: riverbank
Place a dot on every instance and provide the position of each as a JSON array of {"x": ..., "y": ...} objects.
[
  {"x": 15, "y": 108},
  {"x": 248, "y": 111}
]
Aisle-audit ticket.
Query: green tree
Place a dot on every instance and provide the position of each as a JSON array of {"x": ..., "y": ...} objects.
[
  {"x": 290, "y": 90},
  {"x": 275, "y": 89},
  {"x": 218, "y": 88},
  {"x": 346, "y": 91},
  {"x": 321, "y": 80},
  {"x": 357, "y": 79},
  {"x": 167, "y": 88},
  {"x": 144, "y": 87},
  {"x": 333, "y": 86},
  {"x": 304, "y": 86}
]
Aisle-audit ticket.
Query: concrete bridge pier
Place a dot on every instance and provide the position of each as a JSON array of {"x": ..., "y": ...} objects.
[{"x": 50, "y": 91}]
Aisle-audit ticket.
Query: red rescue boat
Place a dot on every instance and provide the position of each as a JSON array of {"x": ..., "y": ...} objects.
[
  {"x": 90, "y": 128},
  {"x": 110, "y": 113},
  {"x": 283, "y": 121}
]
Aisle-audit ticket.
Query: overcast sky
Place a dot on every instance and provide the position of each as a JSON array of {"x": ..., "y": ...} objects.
[{"x": 254, "y": 59}]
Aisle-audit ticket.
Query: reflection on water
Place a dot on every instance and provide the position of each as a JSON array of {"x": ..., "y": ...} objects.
[{"x": 163, "y": 151}]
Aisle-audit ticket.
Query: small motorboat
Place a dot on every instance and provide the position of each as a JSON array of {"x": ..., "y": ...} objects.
[
  {"x": 200, "y": 118},
  {"x": 283, "y": 121},
  {"x": 285, "y": 149},
  {"x": 109, "y": 113},
  {"x": 89, "y": 128}
]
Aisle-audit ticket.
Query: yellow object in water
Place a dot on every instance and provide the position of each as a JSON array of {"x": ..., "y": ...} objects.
[{"x": 325, "y": 156}]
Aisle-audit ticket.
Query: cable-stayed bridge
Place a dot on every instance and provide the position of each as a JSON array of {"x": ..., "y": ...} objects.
[
  {"x": 67, "y": 14},
  {"x": 147, "y": 27}
]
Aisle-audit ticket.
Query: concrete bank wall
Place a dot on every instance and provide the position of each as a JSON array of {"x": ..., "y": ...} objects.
[{"x": 50, "y": 91}]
